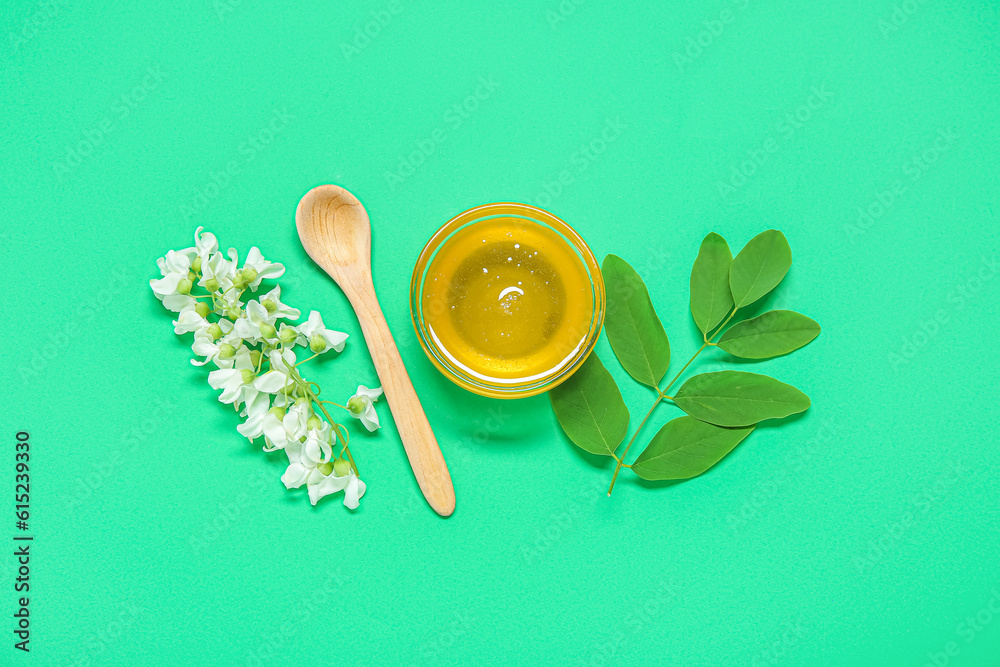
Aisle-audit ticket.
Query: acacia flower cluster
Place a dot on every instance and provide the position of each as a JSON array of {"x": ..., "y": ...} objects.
[{"x": 257, "y": 370}]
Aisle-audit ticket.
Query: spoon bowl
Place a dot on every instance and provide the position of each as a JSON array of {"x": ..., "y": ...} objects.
[
  {"x": 335, "y": 230},
  {"x": 336, "y": 233}
]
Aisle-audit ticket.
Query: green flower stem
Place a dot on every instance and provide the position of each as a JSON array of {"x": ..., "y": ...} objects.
[
  {"x": 294, "y": 374},
  {"x": 305, "y": 360},
  {"x": 336, "y": 427},
  {"x": 661, "y": 394}
]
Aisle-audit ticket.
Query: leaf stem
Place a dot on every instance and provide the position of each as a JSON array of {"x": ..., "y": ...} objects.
[
  {"x": 661, "y": 394},
  {"x": 634, "y": 435},
  {"x": 681, "y": 371},
  {"x": 708, "y": 339}
]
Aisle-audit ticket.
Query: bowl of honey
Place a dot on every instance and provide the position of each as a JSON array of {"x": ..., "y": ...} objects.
[{"x": 507, "y": 300}]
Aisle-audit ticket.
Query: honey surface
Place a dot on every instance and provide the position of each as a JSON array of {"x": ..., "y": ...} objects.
[{"x": 508, "y": 299}]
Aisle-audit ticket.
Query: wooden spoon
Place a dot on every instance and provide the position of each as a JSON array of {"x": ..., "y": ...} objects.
[{"x": 335, "y": 231}]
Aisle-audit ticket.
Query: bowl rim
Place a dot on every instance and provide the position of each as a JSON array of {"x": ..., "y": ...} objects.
[{"x": 538, "y": 216}]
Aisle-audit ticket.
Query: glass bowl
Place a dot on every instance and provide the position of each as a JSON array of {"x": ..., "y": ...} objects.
[{"x": 582, "y": 334}]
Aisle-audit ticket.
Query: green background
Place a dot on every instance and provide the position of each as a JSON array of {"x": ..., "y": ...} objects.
[{"x": 162, "y": 537}]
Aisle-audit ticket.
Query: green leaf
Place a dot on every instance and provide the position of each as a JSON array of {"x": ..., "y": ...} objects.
[
  {"x": 772, "y": 334},
  {"x": 590, "y": 408},
  {"x": 759, "y": 267},
  {"x": 634, "y": 331},
  {"x": 686, "y": 447},
  {"x": 733, "y": 398},
  {"x": 711, "y": 297}
]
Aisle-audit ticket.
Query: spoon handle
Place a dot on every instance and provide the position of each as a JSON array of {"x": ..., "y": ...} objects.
[{"x": 414, "y": 430}]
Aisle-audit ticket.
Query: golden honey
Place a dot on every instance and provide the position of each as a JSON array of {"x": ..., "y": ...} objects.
[{"x": 508, "y": 301}]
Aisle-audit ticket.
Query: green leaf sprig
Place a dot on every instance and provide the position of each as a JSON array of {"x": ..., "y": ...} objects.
[{"x": 722, "y": 408}]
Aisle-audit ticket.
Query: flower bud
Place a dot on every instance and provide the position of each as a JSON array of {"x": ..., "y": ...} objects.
[
  {"x": 269, "y": 305},
  {"x": 233, "y": 312},
  {"x": 287, "y": 335},
  {"x": 202, "y": 309},
  {"x": 196, "y": 264},
  {"x": 184, "y": 286},
  {"x": 227, "y": 351},
  {"x": 302, "y": 400},
  {"x": 325, "y": 468},
  {"x": 248, "y": 375},
  {"x": 356, "y": 405},
  {"x": 214, "y": 330},
  {"x": 267, "y": 330},
  {"x": 191, "y": 276},
  {"x": 341, "y": 467},
  {"x": 314, "y": 423},
  {"x": 278, "y": 412},
  {"x": 249, "y": 274},
  {"x": 255, "y": 356},
  {"x": 317, "y": 343},
  {"x": 212, "y": 285}
]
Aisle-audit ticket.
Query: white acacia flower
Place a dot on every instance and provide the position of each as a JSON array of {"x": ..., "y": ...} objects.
[
  {"x": 229, "y": 304},
  {"x": 217, "y": 273},
  {"x": 289, "y": 335},
  {"x": 320, "y": 339},
  {"x": 262, "y": 268},
  {"x": 281, "y": 430},
  {"x": 353, "y": 488},
  {"x": 189, "y": 320},
  {"x": 279, "y": 377},
  {"x": 361, "y": 406},
  {"x": 206, "y": 345},
  {"x": 310, "y": 464},
  {"x": 233, "y": 336},
  {"x": 237, "y": 383},
  {"x": 178, "y": 303},
  {"x": 205, "y": 245},
  {"x": 275, "y": 309},
  {"x": 282, "y": 400},
  {"x": 257, "y": 325},
  {"x": 304, "y": 458},
  {"x": 174, "y": 268},
  {"x": 255, "y": 410}
]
